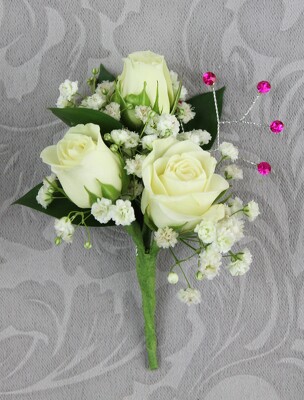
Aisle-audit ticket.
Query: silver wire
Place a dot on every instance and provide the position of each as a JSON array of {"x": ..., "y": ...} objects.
[{"x": 217, "y": 117}]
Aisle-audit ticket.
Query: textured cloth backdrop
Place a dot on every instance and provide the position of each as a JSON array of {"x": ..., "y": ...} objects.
[{"x": 70, "y": 320}]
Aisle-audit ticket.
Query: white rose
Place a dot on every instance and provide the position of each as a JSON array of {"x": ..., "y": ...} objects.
[
  {"x": 82, "y": 160},
  {"x": 146, "y": 67},
  {"x": 180, "y": 184}
]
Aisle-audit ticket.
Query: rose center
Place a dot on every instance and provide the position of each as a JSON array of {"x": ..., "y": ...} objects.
[{"x": 184, "y": 168}]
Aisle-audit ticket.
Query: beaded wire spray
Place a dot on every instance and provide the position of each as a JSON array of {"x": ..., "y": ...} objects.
[{"x": 276, "y": 127}]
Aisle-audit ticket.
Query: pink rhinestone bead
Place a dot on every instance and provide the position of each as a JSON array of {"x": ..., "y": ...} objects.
[
  {"x": 209, "y": 78},
  {"x": 276, "y": 126},
  {"x": 264, "y": 168},
  {"x": 263, "y": 87}
]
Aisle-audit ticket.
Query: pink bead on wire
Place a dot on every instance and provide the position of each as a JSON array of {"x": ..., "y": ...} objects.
[
  {"x": 263, "y": 87},
  {"x": 264, "y": 168},
  {"x": 209, "y": 78},
  {"x": 276, "y": 126}
]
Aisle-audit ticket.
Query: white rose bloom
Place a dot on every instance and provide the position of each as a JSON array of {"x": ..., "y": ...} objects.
[
  {"x": 166, "y": 237},
  {"x": 233, "y": 172},
  {"x": 81, "y": 161},
  {"x": 63, "y": 102},
  {"x": 122, "y": 212},
  {"x": 180, "y": 185},
  {"x": 251, "y": 210},
  {"x": 149, "y": 70},
  {"x": 206, "y": 231},
  {"x": 143, "y": 113},
  {"x": 241, "y": 265},
  {"x": 167, "y": 125},
  {"x": 94, "y": 102},
  {"x": 134, "y": 165},
  {"x": 189, "y": 296},
  {"x": 105, "y": 89},
  {"x": 101, "y": 210},
  {"x": 147, "y": 141},
  {"x": 113, "y": 109},
  {"x": 64, "y": 229},
  {"x": 228, "y": 150},
  {"x": 184, "y": 112},
  {"x": 68, "y": 89}
]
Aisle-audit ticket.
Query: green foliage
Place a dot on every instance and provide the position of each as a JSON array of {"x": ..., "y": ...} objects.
[
  {"x": 205, "y": 117},
  {"x": 58, "y": 208},
  {"x": 75, "y": 116},
  {"x": 104, "y": 75}
]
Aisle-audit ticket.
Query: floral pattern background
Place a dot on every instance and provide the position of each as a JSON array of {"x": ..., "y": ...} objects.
[{"x": 70, "y": 319}]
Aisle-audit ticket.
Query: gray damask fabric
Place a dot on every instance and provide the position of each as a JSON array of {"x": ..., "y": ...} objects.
[{"x": 70, "y": 320}]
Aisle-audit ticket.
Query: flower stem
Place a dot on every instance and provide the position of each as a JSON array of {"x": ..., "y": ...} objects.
[{"x": 146, "y": 274}]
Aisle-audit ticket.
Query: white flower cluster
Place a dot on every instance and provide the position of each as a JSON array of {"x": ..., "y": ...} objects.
[
  {"x": 166, "y": 237},
  {"x": 233, "y": 172},
  {"x": 228, "y": 150},
  {"x": 125, "y": 138},
  {"x": 101, "y": 98},
  {"x": 64, "y": 230},
  {"x": 122, "y": 212},
  {"x": 185, "y": 112},
  {"x": 189, "y": 296},
  {"x": 134, "y": 165},
  {"x": 219, "y": 238},
  {"x": 45, "y": 193},
  {"x": 197, "y": 136},
  {"x": 68, "y": 92},
  {"x": 143, "y": 113}
]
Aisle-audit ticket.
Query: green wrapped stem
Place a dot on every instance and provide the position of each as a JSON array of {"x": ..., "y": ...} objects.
[
  {"x": 146, "y": 273},
  {"x": 146, "y": 257}
]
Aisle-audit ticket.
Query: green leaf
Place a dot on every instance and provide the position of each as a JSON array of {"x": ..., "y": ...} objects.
[
  {"x": 156, "y": 105},
  {"x": 140, "y": 99},
  {"x": 104, "y": 75},
  {"x": 92, "y": 197},
  {"x": 75, "y": 116},
  {"x": 205, "y": 117},
  {"x": 58, "y": 208},
  {"x": 109, "y": 191},
  {"x": 177, "y": 96},
  {"x": 150, "y": 224}
]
